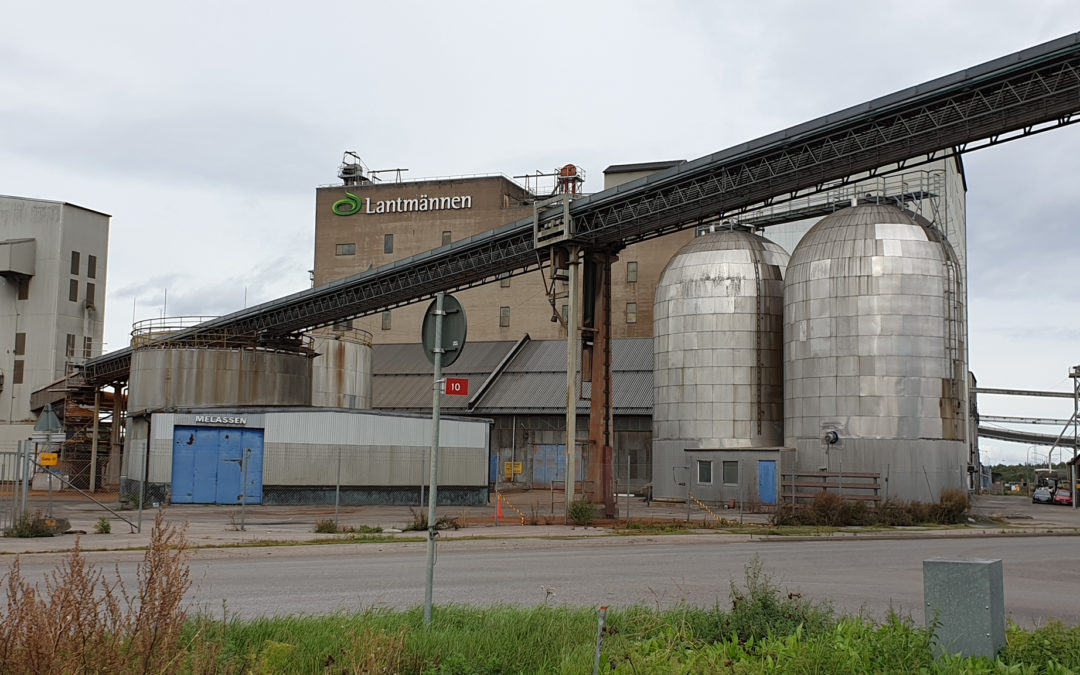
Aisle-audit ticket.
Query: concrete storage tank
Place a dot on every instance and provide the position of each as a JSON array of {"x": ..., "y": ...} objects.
[
  {"x": 717, "y": 341},
  {"x": 214, "y": 371},
  {"x": 873, "y": 354},
  {"x": 341, "y": 371}
]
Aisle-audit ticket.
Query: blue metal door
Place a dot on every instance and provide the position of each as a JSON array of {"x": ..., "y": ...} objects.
[
  {"x": 209, "y": 465},
  {"x": 549, "y": 464},
  {"x": 766, "y": 481}
]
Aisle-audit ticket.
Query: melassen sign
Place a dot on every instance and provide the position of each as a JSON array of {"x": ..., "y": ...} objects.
[{"x": 353, "y": 204}]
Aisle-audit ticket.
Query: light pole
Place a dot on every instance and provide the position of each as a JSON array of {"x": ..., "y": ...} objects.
[{"x": 1074, "y": 373}]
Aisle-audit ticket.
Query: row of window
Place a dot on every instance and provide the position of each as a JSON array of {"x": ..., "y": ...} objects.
[
  {"x": 19, "y": 365},
  {"x": 729, "y": 472},
  {"x": 388, "y": 247},
  {"x": 504, "y": 315},
  {"x": 73, "y": 292},
  {"x": 91, "y": 265},
  {"x": 388, "y": 244}
]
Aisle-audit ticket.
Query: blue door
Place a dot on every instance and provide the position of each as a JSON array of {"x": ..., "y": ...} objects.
[
  {"x": 549, "y": 464},
  {"x": 209, "y": 465},
  {"x": 766, "y": 481}
]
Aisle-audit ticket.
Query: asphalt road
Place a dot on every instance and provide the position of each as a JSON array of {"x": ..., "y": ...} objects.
[{"x": 1042, "y": 574}]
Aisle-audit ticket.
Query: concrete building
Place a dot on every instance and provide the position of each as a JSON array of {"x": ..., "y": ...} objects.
[
  {"x": 53, "y": 262},
  {"x": 367, "y": 224}
]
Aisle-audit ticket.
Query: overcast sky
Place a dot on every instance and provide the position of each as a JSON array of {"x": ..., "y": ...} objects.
[{"x": 204, "y": 128}]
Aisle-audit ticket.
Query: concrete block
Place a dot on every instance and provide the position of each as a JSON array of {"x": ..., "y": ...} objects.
[{"x": 967, "y": 600}]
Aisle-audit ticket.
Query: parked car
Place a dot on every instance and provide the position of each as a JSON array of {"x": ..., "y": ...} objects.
[
  {"x": 1062, "y": 497},
  {"x": 1042, "y": 495}
]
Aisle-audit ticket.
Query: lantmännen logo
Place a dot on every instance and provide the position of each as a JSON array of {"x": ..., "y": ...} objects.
[{"x": 348, "y": 206}]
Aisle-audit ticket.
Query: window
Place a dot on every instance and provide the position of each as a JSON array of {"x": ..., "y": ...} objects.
[
  {"x": 17, "y": 372},
  {"x": 504, "y": 317},
  {"x": 73, "y": 290},
  {"x": 631, "y": 312},
  {"x": 24, "y": 288},
  {"x": 69, "y": 348},
  {"x": 91, "y": 266},
  {"x": 704, "y": 472},
  {"x": 386, "y": 320},
  {"x": 20, "y": 344},
  {"x": 89, "y": 294},
  {"x": 565, "y": 311},
  {"x": 446, "y": 238},
  {"x": 631, "y": 272},
  {"x": 388, "y": 243},
  {"x": 74, "y": 262},
  {"x": 345, "y": 249},
  {"x": 88, "y": 347},
  {"x": 504, "y": 280},
  {"x": 343, "y": 325},
  {"x": 731, "y": 473}
]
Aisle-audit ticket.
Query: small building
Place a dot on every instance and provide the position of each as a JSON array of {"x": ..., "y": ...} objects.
[{"x": 263, "y": 455}]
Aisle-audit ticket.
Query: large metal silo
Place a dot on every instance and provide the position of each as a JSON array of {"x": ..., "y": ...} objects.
[
  {"x": 341, "y": 370},
  {"x": 874, "y": 353},
  {"x": 717, "y": 343}
]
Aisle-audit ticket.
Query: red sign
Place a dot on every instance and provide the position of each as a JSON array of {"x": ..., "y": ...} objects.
[{"x": 457, "y": 386}]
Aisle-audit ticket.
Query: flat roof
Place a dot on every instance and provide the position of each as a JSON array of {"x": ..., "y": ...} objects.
[
  {"x": 643, "y": 166},
  {"x": 52, "y": 201}
]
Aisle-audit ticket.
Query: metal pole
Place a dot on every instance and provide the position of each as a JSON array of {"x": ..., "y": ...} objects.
[
  {"x": 434, "y": 473},
  {"x": 94, "y": 440},
  {"x": 628, "y": 488},
  {"x": 689, "y": 473},
  {"x": 337, "y": 490},
  {"x": 25, "y": 476},
  {"x": 144, "y": 473},
  {"x": 243, "y": 490},
  {"x": 599, "y": 639},
  {"x": 574, "y": 293},
  {"x": 1075, "y": 374}
]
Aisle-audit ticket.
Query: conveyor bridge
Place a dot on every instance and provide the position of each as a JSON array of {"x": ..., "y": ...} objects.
[{"x": 1010, "y": 97}]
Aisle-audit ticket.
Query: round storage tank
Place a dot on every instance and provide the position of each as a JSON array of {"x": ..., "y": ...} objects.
[
  {"x": 717, "y": 343},
  {"x": 215, "y": 370},
  {"x": 341, "y": 370},
  {"x": 873, "y": 355}
]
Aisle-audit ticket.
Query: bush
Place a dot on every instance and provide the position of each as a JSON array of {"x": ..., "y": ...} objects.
[
  {"x": 420, "y": 522},
  {"x": 328, "y": 526},
  {"x": 103, "y": 526},
  {"x": 952, "y": 507},
  {"x": 581, "y": 512},
  {"x": 37, "y": 525},
  {"x": 827, "y": 509}
]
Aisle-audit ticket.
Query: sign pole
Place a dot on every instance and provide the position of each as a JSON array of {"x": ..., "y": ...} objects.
[{"x": 433, "y": 476}]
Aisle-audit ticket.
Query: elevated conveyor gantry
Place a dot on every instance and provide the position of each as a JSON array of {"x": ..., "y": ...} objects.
[{"x": 1010, "y": 97}]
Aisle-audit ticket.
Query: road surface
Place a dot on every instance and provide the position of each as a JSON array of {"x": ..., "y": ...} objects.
[{"x": 1042, "y": 574}]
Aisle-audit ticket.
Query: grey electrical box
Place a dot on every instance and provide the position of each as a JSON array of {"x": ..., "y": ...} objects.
[{"x": 966, "y": 598}]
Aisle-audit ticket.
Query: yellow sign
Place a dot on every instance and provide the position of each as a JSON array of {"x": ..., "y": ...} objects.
[
  {"x": 511, "y": 469},
  {"x": 50, "y": 459}
]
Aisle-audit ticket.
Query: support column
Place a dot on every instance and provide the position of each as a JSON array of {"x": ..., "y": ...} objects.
[
  {"x": 601, "y": 467},
  {"x": 574, "y": 288}
]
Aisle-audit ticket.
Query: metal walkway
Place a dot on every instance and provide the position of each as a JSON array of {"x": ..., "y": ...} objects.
[{"x": 1014, "y": 96}]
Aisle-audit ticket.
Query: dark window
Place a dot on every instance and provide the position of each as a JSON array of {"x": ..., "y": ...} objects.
[
  {"x": 20, "y": 344},
  {"x": 73, "y": 290},
  {"x": 24, "y": 288},
  {"x": 386, "y": 320},
  {"x": 74, "y": 262},
  {"x": 704, "y": 472},
  {"x": 631, "y": 272},
  {"x": 446, "y": 238},
  {"x": 631, "y": 312},
  {"x": 504, "y": 317},
  {"x": 565, "y": 311},
  {"x": 731, "y": 473},
  {"x": 91, "y": 266},
  {"x": 89, "y": 294},
  {"x": 69, "y": 345},
  {"x": 87, "y": 347},
  {"x": 345, "y": 249},
  {"x": 504, "y": 280},
  {"x": 17, "y": 373},
  {"x": 388, "y": 243}
]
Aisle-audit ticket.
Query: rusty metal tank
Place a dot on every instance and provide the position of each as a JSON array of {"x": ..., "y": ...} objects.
[
  {"x": 717, "y": 344},
  {"x": 874, "y": 336},
  {"x": 214, "y": 371},
  {"x": 341, "y": 370}
]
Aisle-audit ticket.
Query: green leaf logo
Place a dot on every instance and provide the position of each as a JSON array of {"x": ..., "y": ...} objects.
[{"x": 348, "y": 206}]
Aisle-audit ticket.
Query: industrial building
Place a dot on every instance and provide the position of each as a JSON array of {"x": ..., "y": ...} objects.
[
  {"x": 873, "y": 323},
  {"x": 53, "y": 270}
]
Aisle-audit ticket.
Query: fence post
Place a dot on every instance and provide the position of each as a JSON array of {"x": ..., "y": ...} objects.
[{"x": 337, "y": 490}]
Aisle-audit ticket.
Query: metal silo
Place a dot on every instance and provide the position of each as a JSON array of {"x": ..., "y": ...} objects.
[
  {"x": 717, "y": 343},
  {"x": 341, "y": 370},
  {"x": 874, "y": 354}
]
